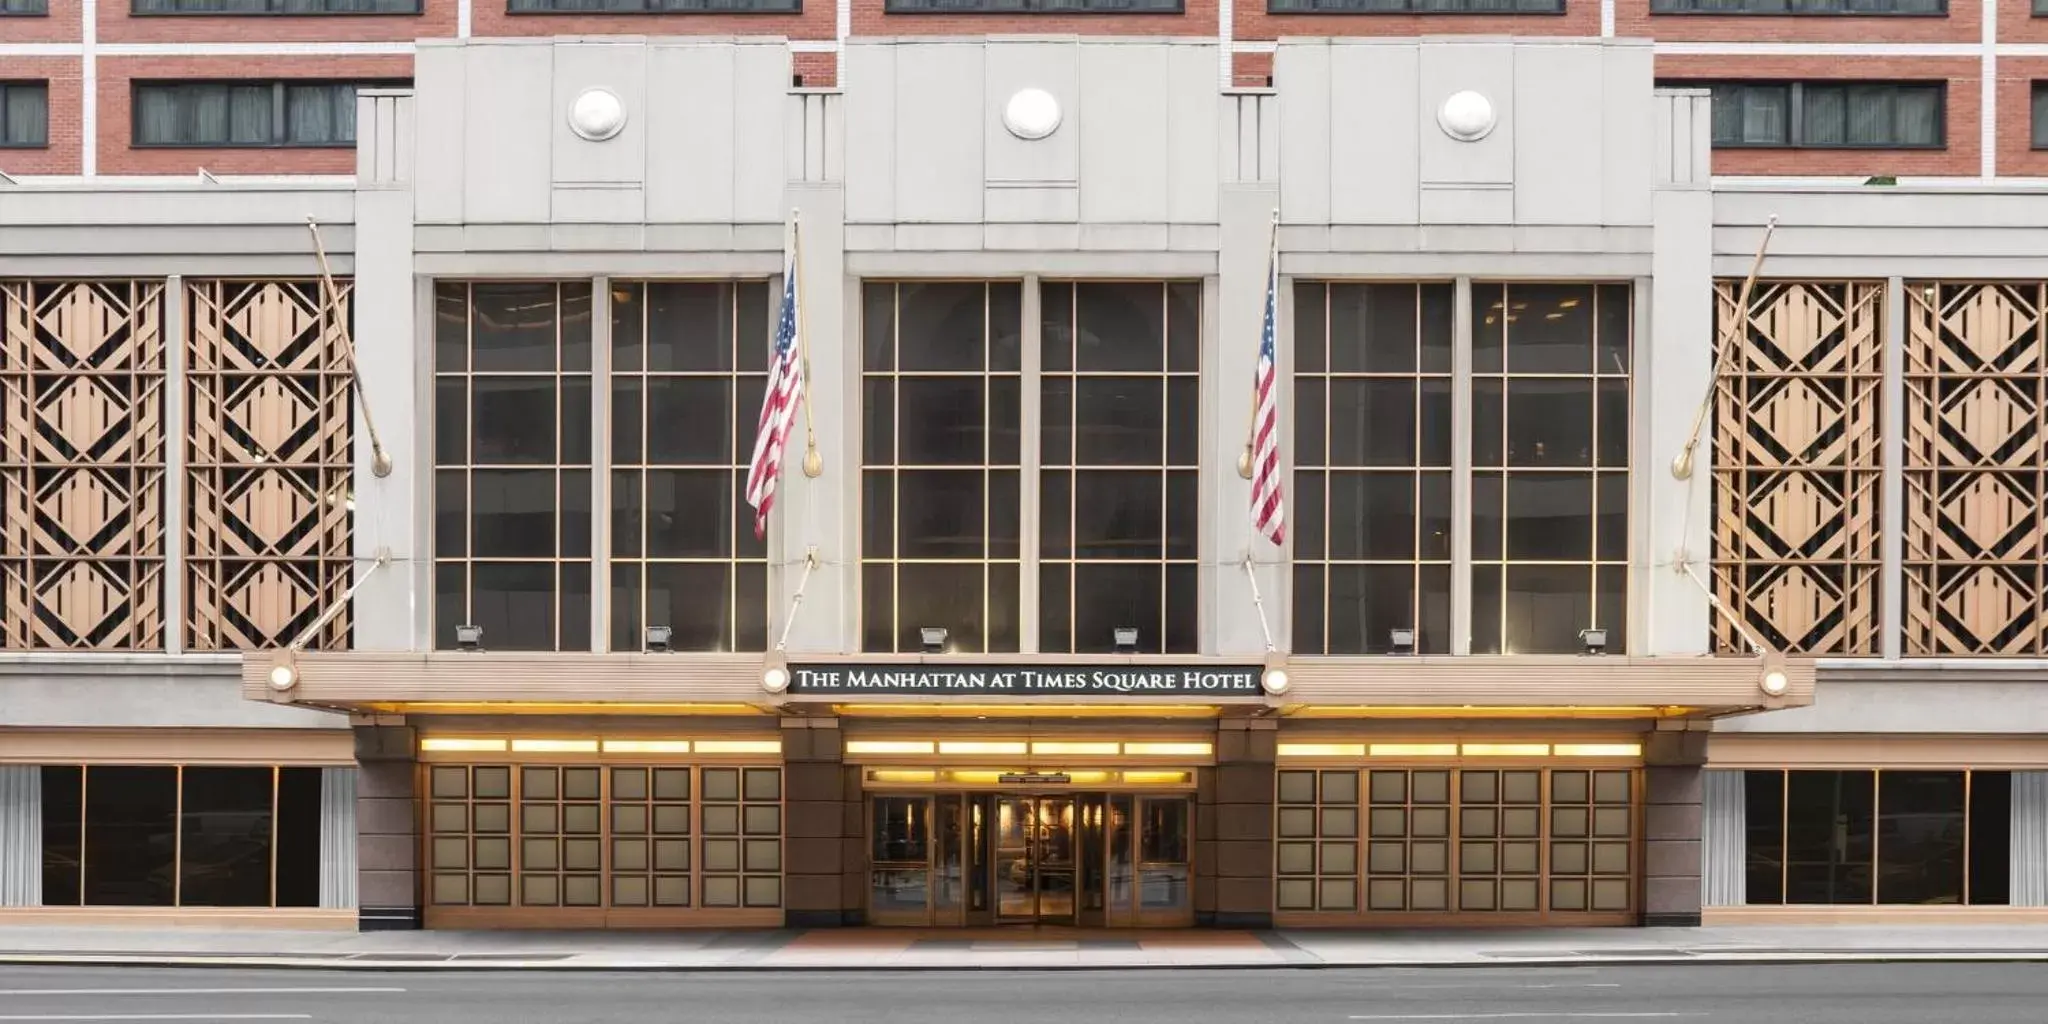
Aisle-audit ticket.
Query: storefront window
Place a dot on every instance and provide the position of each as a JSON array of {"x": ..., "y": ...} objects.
[
  {"x": 165, "y": 835},
  {"x": 1885, "y": 837}
]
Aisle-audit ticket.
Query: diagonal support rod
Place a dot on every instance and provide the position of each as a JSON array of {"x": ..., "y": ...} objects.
[{"x": 380, "y": 461}]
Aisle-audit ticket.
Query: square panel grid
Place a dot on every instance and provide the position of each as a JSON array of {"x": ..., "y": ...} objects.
[
  {"x": 1521, "y": 841},
  {"x": 604, "y": 836},
  {"x": 1975, "y": 468},
  {"x": 82, "y": 439},
  {"x": 1372, "y": 479},
  {"x": 1551, "y": 434},
  {"x": 269, "y": 461},
  {"x": 689, "y": 366},
  {"x": 1798, "y": 465}
]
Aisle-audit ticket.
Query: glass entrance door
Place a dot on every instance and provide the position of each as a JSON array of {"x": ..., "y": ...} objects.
[{"x": 1034, "y": 860}]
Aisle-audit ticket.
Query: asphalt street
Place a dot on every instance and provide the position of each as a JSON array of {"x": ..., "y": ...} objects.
[{"x": 1695, "y": 994}]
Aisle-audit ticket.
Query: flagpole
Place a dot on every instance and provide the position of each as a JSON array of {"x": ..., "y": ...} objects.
[
  {"x": 330, "y": 296},
  {"x": 814, "y": 463},
  {"x": 1251, "y": 416}
]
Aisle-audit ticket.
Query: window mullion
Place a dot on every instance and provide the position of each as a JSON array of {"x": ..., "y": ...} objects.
[
  {"x": 1029, "y": 362},
  {"x": 1795, "y": 117},
  {"x": 278, "y": 132},
  {"x": 1461, "y": 466}
]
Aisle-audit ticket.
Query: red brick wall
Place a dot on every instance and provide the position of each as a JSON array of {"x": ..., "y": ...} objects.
[
  {"x": 1251, "y": 69},
  {"x": 818, "y": 69},
  {"x": 117, "y": 25},
  {"x": 1198, "y": 18},
  {"x": 2016, "y": 152},
  {"x": 64, "y": 154},
  {"x": 61, "y": 26},
  {"x": 116, "y": 77},
  {"x": 1580, "y": 18},
  {"x": 488, "y": 18},
  {"x": 1964, "y": 24},
  {"x": 2016, "y": 22},
  {"x": 1960, "y": 158}
]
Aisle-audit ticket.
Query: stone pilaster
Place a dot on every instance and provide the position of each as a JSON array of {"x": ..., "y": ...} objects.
[
  {"x": 387, "y": 829},
  {"x": 1234, "y": 850},
  {"x": 814, "y": 829},
  {"x": 1671, "y": 828}
]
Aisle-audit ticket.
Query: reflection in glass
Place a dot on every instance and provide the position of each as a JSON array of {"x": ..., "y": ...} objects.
[
  {"x": 689, "y": 368},
  {"x": 131, "y": 836},
  {"x": 1371, "y": 498},
  {"x": 63, "y": 822},
  {"x": 1119, "y": 390},
  {"x": 1828, "y": 836},
  {"x": 941, "y": 510},
  {"x": 1550, "y": 398},
  {"x": 1920, "y": 826},
  {"x": 225, "y": 837}
]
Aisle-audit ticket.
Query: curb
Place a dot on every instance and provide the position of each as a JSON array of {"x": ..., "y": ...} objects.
[{"x": 18, "y": 959}]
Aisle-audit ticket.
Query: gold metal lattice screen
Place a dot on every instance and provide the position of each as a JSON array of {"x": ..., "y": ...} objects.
[
  {"x": 81, "y": 465},
  {"x": 268, "y": 462},
  {"x": 1974, "y": 464},
  {"x": 1797, "y": 466}
]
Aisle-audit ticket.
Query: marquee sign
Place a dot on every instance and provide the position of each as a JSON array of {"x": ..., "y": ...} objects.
[{"x": 1029, "y": 680}]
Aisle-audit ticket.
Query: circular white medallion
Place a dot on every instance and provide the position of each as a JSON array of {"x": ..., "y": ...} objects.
[
  {"x": 597, "y": 114},
  {"x": 1467, "y": 116},
  {"x": 1032, "y": 114}
]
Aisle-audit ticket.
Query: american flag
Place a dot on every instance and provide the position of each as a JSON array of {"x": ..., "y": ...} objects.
[
  {"x": 778, "y": 407},
  {"x": 1268, "y": 513}
]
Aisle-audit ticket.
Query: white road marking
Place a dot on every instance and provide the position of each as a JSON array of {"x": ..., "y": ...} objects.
[
  {"x": 1483, "y": 985},
  {"x": 1524, "y": 1016},
  {"x": 165, "y": 1016},
  {"x": 185, "y": 991}
]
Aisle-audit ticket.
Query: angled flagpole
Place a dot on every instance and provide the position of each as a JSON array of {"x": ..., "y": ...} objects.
[
  {"x": 779, "y": 401},
  {"x": 330, "y": 296}
]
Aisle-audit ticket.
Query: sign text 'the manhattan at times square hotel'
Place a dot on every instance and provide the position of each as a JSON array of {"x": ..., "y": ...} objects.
[{"x": 1027, "y": 680}]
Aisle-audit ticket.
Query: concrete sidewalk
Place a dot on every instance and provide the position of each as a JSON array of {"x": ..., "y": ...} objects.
[{"x": 932, "y": 949}]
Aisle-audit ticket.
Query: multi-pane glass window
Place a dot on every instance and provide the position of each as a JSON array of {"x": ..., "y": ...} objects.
[
  {"x": 1550, "y": 457},
  {"x": 1856, "y": 8},
  {"x": 1415, "y": 6},
  {"x": 689, "y": 365},
  {"x": 1843, "y": 115},
  {"x": 512, "y": 485},
  {"x": 2039, "y": 119},
  {"x": 237, "y": 7},
  {"x": 942, "y": 389},
  {"x": 1886, "y": 837},
  {"x": 24, "y": 114},
  {"x": 247, "y": 114},
  {"x": 25, "y": 8},
  {"x": 653, "y": 6},
  {"x": 1119, "y": 447},
  {"x": 1372, "y": 456},
  {"x": 180, "y": 836},
  {"x": 1035, "y": 6}
]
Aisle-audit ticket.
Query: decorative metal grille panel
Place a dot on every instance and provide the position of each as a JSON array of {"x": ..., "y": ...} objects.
[
  {"x": 1797, "y": 466},
  {"x": 1974, "y": 378},
  {"x": 81, "y": 465},
  {"x": 268, "y": 462}
]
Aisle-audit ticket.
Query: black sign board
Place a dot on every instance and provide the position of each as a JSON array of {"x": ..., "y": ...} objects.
[
  {"x": 1034, "y": 778},
  {"x": 1025, "y": 680}
]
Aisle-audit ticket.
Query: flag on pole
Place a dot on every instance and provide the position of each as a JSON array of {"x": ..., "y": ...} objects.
[
  {"x": 778, "y": 406},
  {"x": 1268, "y": 514}
]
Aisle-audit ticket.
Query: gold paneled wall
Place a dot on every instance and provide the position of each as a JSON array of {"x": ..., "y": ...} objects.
[
  {"x": 1798, "y": 465},
  {"x": 81, "y": 465},
  {"x": 1973, "y": 552},
  {"x": 268, "y": 456}
]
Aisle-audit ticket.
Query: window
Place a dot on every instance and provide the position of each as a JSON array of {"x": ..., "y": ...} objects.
[
  {"x": 689, "y": 365},
  {"x": 654, "y": 6},
  {"x": 25, "y": 8},
  {"x": 942, "y": 399},
  {"x": 1884, "y": 837},
  {"x": 1835, "y": 115},
  {"x": 24, "y": 114},
  {"x": 1035, "y": 6},
  {"x": 512, "y": 485},
  {"x": 216, "y": 7},
  {"x": 1857, "y": 8},
  {"x": 1372, "y": 458},
  {"x": 183, "y": 836},
  {"x": 1120, "y": 414},
  {"x": 246, "y": 114},
  {"x": 1415, "y": 6},
  {"x": 2040, "y": 122},
  {"x": 1550, "y": 456}
]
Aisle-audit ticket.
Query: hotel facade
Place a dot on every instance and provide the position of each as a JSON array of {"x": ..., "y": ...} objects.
[{"x": 1663, "y": 545}]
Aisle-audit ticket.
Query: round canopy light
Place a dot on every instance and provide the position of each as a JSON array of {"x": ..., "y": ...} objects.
[
  {"x": 597, "y": 114},
  {"x": 775, "y": 679},
  {"x": 283, "y": 677},
  {"x": 1032, "y": 114},
  {"x": 1466, "y": 116},
  {"x": 1274, "y": 681},
  {"x": 1775, "y": 682}
]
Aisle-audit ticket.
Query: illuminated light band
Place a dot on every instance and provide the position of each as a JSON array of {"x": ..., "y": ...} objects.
[{"x": 1456, "y": 749}]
